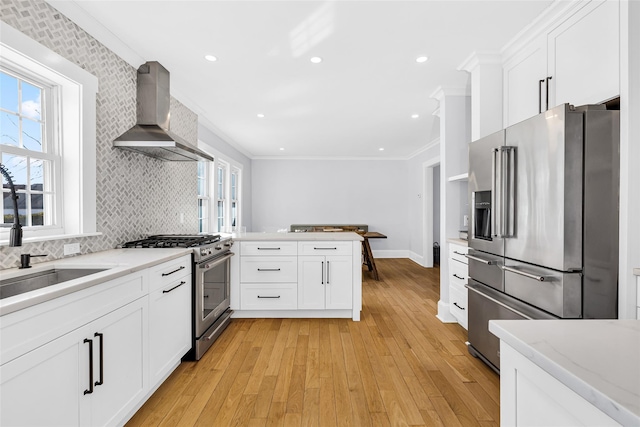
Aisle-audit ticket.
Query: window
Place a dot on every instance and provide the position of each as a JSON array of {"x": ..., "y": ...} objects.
[
  {"x": 221, "y": 182},
  {"x": 204, "y": 201},
  {"x": 27, "y": 150},
  {"x": 234, "y": 199},
  {"x": 219, "y": 194},
  {"x": 47, "y": 139}
]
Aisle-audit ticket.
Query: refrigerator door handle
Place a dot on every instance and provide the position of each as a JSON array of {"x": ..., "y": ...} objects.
[
  {"x": 522, "y": 273},
  {"x": 496, "y": 193},
  {"x": 509, "y": 213}
]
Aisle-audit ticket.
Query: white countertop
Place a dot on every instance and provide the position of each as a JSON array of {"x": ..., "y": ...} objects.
[
  {"x": 118, "y": 262},
  {"x": 598, "y": 359},
  {"x": 457, "y": 241},
  {"x": 326, "y": 236}
]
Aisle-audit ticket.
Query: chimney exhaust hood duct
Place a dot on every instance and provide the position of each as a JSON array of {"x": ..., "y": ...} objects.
[{"x": 151, "y": 135}]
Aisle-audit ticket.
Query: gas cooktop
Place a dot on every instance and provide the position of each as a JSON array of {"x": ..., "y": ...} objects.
[{"x": 174, "y": 241}]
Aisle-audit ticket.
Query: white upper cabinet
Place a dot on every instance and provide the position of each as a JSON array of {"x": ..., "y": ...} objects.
[
  {"x": 573, "y": 59},
  {"x": 523, "y": 91},
  {"x": 584, "y": 56}
]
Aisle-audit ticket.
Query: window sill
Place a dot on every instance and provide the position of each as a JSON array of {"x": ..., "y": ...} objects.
[{"x": 47, "y": 238}]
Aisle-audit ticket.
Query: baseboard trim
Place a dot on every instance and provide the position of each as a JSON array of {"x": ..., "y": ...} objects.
[{"x": 444, "y": 314}]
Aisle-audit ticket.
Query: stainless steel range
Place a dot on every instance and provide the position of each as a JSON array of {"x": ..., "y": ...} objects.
[{"x": 211, "y": 286}]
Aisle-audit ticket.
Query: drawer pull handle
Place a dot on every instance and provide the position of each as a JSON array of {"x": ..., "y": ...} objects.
[
  {"x": 459, "y": 253},
  {"x": 268, "y": 269},
  {"x": 458, "y": 277},
  {"x": 182, "y": 267},
  {"x": 260, "y": 296},
  {"x": 175, "y": 287},
  {"x": 456, "y": 304},
  {"x": 90, "y": 389},
  {"x": 268, "y": 249},
  {"x": 325, "y": 249}
]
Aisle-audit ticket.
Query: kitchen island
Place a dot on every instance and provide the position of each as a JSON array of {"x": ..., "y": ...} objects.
[
  {"x": 302, "y": 275},
  {"x": 569, "y": 372}
]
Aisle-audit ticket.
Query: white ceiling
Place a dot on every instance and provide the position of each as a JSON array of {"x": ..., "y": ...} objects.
[{"x": 358, "y": 100}]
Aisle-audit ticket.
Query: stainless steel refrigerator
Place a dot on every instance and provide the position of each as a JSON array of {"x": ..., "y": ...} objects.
[{"x": 543, "y": 240}]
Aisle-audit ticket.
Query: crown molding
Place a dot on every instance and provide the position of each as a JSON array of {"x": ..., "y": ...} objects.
[
  {"x": 478, "y": 58},
  {"x": 444, "y": 91}
]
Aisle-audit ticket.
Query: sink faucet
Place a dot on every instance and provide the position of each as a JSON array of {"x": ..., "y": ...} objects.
[
  {"x": 25, "y": 260},
  {"x": 15, "y": 235}
]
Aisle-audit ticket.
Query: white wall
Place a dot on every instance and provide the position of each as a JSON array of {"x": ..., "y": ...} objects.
[{"x": 372, "y": 192}]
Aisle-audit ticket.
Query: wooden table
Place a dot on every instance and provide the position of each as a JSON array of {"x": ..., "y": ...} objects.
[{"x": 368, "y": 254}]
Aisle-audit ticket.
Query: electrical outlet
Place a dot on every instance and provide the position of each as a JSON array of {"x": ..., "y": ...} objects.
[
  {"x": 72, "y": 248},
  {"x": 181, "y": 217},
  {"x": 465, "y": 219}
]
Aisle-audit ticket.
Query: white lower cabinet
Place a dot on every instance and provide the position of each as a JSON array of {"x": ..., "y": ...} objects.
[
  {"x": 305, "y": 278},
  {"x": 169, "y": 327},
  {"x": 324, "y": 282},
  {"x": 91, "y": 358},
  {"x": 54, "y": 385},
  {"x": 529, "y": 396},
  {"x": 459, "y": 276}
]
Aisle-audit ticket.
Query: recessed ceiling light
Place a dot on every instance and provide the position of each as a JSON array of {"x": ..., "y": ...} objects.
[
  {"x": 281, "y": 149},
  {"x": 260, "y": 115},
  {"x": 316, "y": 60},
  {"x": 211, "y": 58},
  {"x": 422, "y": 59},
  {"x": 415, "y": 116},
  {"x": 381, "y": 149}
]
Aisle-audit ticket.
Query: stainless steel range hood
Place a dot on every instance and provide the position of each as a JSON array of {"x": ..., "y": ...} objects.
[{"x": 150, "y": 135}]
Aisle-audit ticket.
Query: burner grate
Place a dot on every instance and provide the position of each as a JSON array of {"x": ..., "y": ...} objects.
[{"x": 174, "y": 241}]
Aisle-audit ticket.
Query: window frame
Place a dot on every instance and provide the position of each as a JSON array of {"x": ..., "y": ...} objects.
[
  {"x": 75, "y": 122},
  {"x": 50, "y": 153}
]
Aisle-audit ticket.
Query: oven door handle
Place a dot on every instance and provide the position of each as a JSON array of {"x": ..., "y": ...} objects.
[{"x": 218, "y": 261}]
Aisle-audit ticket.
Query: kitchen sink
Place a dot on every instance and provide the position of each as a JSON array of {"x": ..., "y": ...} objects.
[{"x": 42, "y": 279}]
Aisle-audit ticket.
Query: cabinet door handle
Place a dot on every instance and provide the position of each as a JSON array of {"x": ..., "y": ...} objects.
[
  {"x": 268, "y": 249},
  {"x": 90, "y": 390},
  {"x": 540, "y": 95},
  {"x": 322, "y": 268},
  {"x": 456, "y": 304},
  {"x": 260, "y": 296},
  {"x": 268, "y": 269},
  {"x": 458, "y": 277},
  {"x": 182, "y": 267},
  {"x": 175, "y": 287},
  {"x": 324, "y": 249},
  {"x": 328, "y": 272},
  {"x": 101, "y": 336},
  {"x": 459, "y": 253},
  {"x": 547, "y": 94}
]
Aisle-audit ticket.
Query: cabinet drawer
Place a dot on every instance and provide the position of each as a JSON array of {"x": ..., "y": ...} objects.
[
  {"x": 458, "y": 252},
  {"x": 168, "y": 272},
  {"x": 325, "y": 248},
  {"x": 258, "y": 269},
  {"x": 458, "y": 306},
  {"x": 459, "y": 272},
  {"x": 280, "y": 296},
  {"x": 268, "y": 248}
]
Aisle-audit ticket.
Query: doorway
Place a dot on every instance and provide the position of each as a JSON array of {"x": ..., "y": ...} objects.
[{"x": 431, "y": 209}]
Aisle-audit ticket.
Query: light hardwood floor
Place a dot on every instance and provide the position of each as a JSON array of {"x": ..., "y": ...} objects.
[{"x": 398, "y": 366}]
